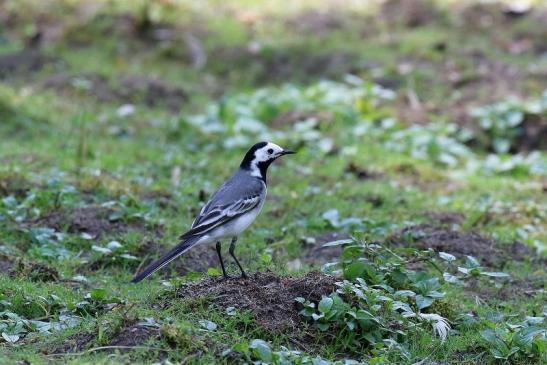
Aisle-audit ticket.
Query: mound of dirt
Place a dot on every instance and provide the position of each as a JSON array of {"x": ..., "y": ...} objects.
[
  {"x": 268, "y": 297},
  {"x": 93, "y": 220},
  {"x": 441, "y": 238}
]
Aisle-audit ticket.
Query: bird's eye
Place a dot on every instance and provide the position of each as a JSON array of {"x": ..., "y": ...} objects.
[{"x": 270, "y": 151}]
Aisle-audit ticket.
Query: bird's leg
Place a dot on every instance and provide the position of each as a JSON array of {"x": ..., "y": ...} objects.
[
  {"x": 232, "y": 248},
  {"x": 220, "y": 259}
]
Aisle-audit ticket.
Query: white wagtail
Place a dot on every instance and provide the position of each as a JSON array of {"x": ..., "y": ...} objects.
[{"x": 230, "y": 210}]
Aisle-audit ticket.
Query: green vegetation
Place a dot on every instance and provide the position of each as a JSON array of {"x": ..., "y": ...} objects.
[{"x": 411, "y": 227}]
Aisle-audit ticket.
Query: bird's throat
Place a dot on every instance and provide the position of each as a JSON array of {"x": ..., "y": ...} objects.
[{"x": 260, "y": 169}]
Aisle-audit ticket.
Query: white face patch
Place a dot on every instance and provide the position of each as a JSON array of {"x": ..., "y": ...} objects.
[{"x": 269, "y": 152}]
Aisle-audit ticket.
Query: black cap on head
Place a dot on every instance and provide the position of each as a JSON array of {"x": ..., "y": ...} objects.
[{"x": 246, "y": 163}]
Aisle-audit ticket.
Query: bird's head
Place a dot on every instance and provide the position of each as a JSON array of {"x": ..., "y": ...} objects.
[{"x": 260, "y": 156}]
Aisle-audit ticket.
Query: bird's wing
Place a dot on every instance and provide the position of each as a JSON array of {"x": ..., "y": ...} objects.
[
  {"x": 214, "y": 215},
  {"x": 238, "y": 195}
]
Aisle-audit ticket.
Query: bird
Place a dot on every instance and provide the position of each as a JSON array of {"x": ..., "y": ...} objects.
[{"x": 229, "y": 211}]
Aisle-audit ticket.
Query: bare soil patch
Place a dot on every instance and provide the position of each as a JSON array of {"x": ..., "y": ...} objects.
[
  {"x": 439, "y": 238},
  {"x": 75, "y": 343},
  {"x": 14, "y": 185},
  {"x": 316, "y": 254},
  {"x": 361, "y": 173},
  {"x": 479, "y": 83},
  {"x": 93, "y": 220},
  {"x": 268, "y": 297},
  {"x": 483, "y": 79},
  {"x": 514, "y": 288},
  {"x": 490, "y": 15},
  {"x": 5, "y": 263},
  {"x": 128, "y": 27},
  {"x": 164, "y": 199},
  {"x": 134, "y": 335},
  {"x": 154, "y": 92},
  {"x": 23, "y": 62},
  {"x": 518, "y": 288},
  {"x": 287, "y": 64},
  {"x": 445, "y": 218},
  {"x": 125, "y": 89},
  {"x": 31, "y": 270},
  {"x": 533, "y": 134},
  {"x": 492, "y": 81},
  {"x": 36, "y": 271},
  {"x": 317, "y": 22},
  {"x": 408, "y": 13}
]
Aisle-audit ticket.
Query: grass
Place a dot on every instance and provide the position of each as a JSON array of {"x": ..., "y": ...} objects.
[{"x": 79, "y": 173}]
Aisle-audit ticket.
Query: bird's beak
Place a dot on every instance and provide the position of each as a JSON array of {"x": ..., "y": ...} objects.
[{"x": 286, "y": 152}]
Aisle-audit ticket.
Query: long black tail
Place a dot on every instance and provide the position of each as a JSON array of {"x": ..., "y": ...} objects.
[{"x": 165, "y": 259}]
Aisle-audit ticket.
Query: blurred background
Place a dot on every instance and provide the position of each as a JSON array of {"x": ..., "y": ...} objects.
[
  {"x": 442, "y": 58},
  {"x": 409, "y": 106}
]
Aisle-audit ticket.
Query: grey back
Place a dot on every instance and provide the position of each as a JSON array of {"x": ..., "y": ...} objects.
[{"x": 238, "y": 187}]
